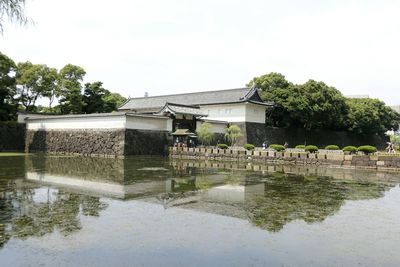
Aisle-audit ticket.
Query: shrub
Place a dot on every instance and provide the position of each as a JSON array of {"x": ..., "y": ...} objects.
[
  {"x": 222, "y": 146},
  {"x": 332, "y": 147},
  {"x": 249, "y": 146},
  {"x": 367, "y": 149},
  {"x": 350, "y": 149},
  {"x": 311, "y": 148},
  {"x": 300, "y": 146},
  {"x": 277, "y": 147}
]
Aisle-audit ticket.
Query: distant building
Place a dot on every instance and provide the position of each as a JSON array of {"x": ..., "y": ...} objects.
[{"x": 357, "y": 96}]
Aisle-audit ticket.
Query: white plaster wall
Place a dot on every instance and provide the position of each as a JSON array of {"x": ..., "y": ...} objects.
[
  {"x": 148, "y": 123},
  {"x": 216, "y": 127},
  {"x": 226, "y": 112},
  {"x": 106, "y": 122},
  {"x": 255, "y": 113}
]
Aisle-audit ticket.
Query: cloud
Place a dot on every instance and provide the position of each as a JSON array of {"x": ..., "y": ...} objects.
[{"x": 178, "y": 46}]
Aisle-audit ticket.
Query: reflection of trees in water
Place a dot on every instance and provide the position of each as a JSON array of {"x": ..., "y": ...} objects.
[
  {"x": 309, "y": 198},
  {"x": 61, "y": 212}
]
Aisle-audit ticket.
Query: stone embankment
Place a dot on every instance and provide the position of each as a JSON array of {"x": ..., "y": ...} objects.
[{"x": 373, "y": 161}]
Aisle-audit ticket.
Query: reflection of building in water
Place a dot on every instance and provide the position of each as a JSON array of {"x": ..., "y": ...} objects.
[{"x": 268, "y": 198}]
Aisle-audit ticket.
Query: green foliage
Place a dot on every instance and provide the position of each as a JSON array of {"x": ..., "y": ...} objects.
[
  {"x": 8, "y": 105},
  {"x": 332, "y": 147},
  {"x": 315, "y": 105},
  {"x": 222, "y": 146},
  {"x": 395, "y": 139},
  {"x": 311, "y": 148},
  {"x": 14, "y": 10},
  {"x": 96, "y": 99},
  {"x": 350, "y": 149},
  {"x": 371, "y": 116},
  {"x": 367, "y": 149},
  {"x": 205, "y": 134},
  {"x": 113, "y": 101},
  {"x": 301, "y": 146},
  {"x": 71, "y": 77},
  {"x": 249, "y": 146},
  {"x": 35, "y": 81},
  {"x": 232, "y": 133},
  {"x": 277, "y": 147}
]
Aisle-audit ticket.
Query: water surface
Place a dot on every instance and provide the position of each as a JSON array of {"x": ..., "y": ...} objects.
[{"x": 73, "y": 211}]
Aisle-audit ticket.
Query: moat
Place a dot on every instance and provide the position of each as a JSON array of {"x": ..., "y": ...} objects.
[{"x": 138, "y": 211}]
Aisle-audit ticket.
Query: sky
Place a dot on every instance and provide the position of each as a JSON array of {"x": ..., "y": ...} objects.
[{"x": 176, "y": 46}]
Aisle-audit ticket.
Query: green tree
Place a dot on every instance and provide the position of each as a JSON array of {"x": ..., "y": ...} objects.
[
  {"x": 93, "y": 97},
  {"x": 113, "y": 101},
  {"x": 315, "y": 105},
  {"x": 205, "y": 133},
  {"x": 8, "y": 105},
  {"x": 14, "y": 10},
  {"x": 274, "y": 87},
  {"x": 232, "y": 133},
  {"x": 311, "y": 105},
  {"x": 370, "y": 116},
  {"x": 71, "y": 77},
  {"x": 96, "y": 99},
  {"x": 35, "y": 81}
]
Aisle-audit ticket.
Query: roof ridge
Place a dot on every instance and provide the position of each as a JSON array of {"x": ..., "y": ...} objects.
[{"x": 199, "y": 92}]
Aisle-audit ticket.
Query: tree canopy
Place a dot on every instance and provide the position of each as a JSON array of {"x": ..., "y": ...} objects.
[
  {"x": 8, "y": 105},
  {"x": 315, "y": 105},
  {"x": 14, "y": 10},
  {"x": 23, "y": 84}
]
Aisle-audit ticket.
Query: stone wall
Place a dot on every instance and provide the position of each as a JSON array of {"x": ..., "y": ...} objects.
[
  {"x": 85, "y": 142},
  {"x": 374, "y": 161},
  {"x": 144, "y": 142},
  {"x": 257, "y": 133},
  {"x": 12, "y": 136},
  {"x": 117, "y": 142}
]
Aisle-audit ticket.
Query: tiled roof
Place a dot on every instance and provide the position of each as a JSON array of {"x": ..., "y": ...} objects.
[
  {"x": 193, "y": 99},
  {"x": 181, "y": 109}
]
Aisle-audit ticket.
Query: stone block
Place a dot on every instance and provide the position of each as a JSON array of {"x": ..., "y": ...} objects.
[
  {"x": 321, "y": 156},
  {"x": 287, "y": 154},
  {"x": 386, "y": 158},
  {"x": 303, "y": 155},
  {"x": 348, "y": 157},
  {"x": 312, "y": 156},
  {"x": 336, "y": 157}
]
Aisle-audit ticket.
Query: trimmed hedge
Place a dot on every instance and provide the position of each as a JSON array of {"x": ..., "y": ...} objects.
[
  {"x": 332, "y": 147},
  {"x": 222, "y": 146},
  {"x": 277, "y": 147},
  {"x": 249, "y": 146},
  {"x": 300, "y": 146},
  {"x": 351, "y": 149},
  {"x": 311, "y": 148},
  {"x": 367, "y": 149}
]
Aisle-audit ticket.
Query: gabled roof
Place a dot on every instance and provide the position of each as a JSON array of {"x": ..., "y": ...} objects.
[
  {"x": 181, "y": 109},
  {"x": 183, "y": 132},
  {"x": 195, "y": 99}
]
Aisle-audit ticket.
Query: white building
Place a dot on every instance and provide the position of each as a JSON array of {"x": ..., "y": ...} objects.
[{"x": 144, "y": 125}]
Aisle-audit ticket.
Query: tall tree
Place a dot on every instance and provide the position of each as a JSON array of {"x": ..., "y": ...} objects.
[
  {"x": 97, "y": 99},
  {"x": 71, "y": 77},
  {"x": 371, "y": 116},
  {"x": 113, "y": 101},
  {"x": 14, "y": 10},
  {"x": 8, "y": 105},
  {"x": 35, "y": 81},
  {"x": 93, "y": 101},
  {"x": 274, "y": 87},
  {"x": 314, "y": 105}
]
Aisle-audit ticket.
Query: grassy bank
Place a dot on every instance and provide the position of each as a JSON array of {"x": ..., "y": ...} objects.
[{"x": 9, "y": 154}]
